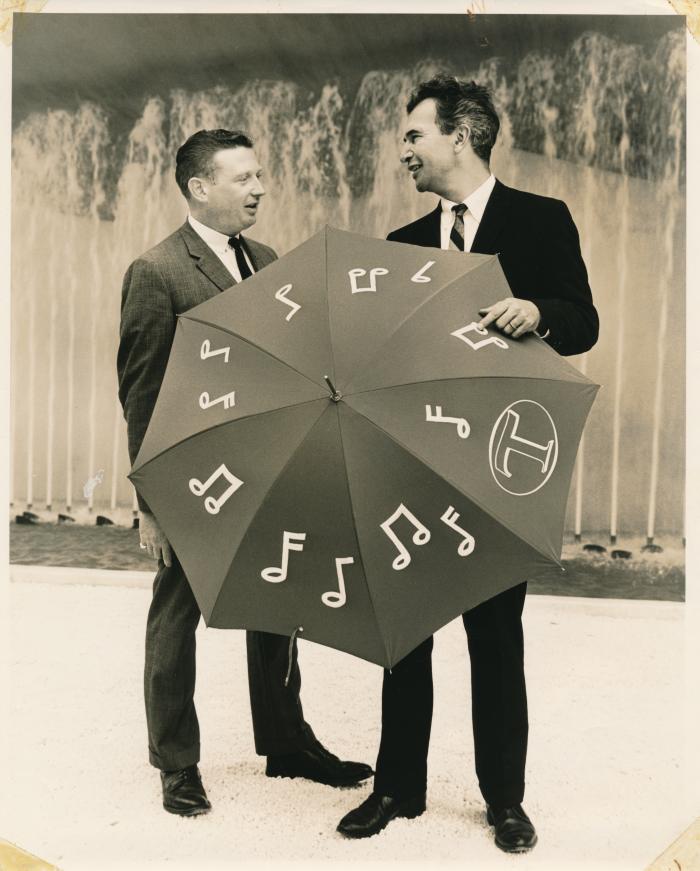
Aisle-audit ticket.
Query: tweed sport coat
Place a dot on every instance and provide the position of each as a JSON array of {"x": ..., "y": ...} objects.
[
  {"x": 538, "y": 247},
  {"x": 174, "y": 276}
]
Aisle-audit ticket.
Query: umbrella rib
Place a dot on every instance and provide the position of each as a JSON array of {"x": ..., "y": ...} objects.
[
  {"x": 415, "y": 311},
  {"x": 223, "y": 423},
  {"x": 472, "y": 378},
  {"x": 253, "y": 345},
  {"x": 263, "y": 501},
  {"x": 357, "y": 540},
  {"x": 327, "y": 300},
  {"x": 458, "y": 488}
]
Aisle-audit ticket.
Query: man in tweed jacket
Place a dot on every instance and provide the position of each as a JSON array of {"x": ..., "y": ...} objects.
[{"x": 220, "y": 177}]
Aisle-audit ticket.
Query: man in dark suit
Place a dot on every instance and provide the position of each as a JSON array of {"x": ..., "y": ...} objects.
[
  {"x": 220, "y": 177},
  {"x": 450, "y": 131}
]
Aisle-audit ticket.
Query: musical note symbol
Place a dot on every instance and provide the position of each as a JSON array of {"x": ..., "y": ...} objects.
[
  {"x": 480, "y": 331},
  {"x": 420, "y": 536},
  {"x": 463, "y": 428},
  {"x": 450, "y": 517},
  {"x": 337, "y": 598},
  {"x": 354, "y": 274},
  {"x": 212, "y": 505},
  {"x": 290, "y": 541},
  {"x": 281, "y": 295},
  {"x": 228, "y": 400},
  {"x": 206, "y": 351},
  {"x": 420, "y": 277}
]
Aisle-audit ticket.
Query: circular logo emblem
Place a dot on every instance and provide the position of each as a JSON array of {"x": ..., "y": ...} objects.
[{"x": 523, "y": 448}]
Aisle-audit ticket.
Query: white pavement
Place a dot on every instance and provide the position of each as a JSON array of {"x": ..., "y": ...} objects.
[{"x": 606, "y": 782}]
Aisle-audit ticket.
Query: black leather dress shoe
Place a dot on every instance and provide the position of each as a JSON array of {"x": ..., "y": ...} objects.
[
  {"x": 514, "y": 832},
  {"x": 319, "y": 765},
  {"x": 183, "y": 792},
  {"x": 376, "y": 812}
]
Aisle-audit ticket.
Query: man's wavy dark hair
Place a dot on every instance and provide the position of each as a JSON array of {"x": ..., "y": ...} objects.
[
  {"x": 458, "y": 102},
  {"x": 195, "y": 157}
]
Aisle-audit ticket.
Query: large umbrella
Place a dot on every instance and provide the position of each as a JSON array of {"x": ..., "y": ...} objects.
[{"x": 338, "y": 446}]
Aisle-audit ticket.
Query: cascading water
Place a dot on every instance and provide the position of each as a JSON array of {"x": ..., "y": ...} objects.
[{"x": 600, "y": 126}]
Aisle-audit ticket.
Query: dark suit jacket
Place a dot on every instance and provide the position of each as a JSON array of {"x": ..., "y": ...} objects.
[
  {"x": 538, "y": 248},
  {"x": 174, "y": 276}
]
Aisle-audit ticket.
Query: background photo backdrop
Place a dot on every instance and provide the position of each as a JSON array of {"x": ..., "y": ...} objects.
[{"x": 592, "y": 112}]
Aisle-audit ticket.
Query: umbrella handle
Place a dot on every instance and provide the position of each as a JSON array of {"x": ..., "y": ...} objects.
[{"x": 290, "y": 653}]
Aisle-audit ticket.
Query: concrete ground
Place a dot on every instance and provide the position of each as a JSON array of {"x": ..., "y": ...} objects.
[{"x": 606, "y": 769}]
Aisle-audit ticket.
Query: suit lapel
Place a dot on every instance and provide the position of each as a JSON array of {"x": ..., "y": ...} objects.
[
  {"x": 256, "y": 254},
  {"x": 207, "y": 261},
  {"x": 433, "y": 233},
  {"x": 492, "y": 221}
]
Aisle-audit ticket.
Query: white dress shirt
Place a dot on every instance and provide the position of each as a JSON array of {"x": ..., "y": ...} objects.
[
  {"x": 218, "y": 242},
  {"x": 476, "y": 204}
]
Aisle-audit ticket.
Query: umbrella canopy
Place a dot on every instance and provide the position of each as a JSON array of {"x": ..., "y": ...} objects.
[{"x": 338, "y": 446}]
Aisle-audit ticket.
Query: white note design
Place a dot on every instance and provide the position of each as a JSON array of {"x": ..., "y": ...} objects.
[
  {"x": 290, "y": 541},
  {"x": 474, "y": 327},
  {"x": 462, "y": 424},
  {"x": 450, "y": 517},
  {"x": 281, "y": 295},
  {"x": 206, "y": 351},
  {"x": 420, "y": 277},
  {"x": 337, "y": 598},
  {"x": 213, "y": 505},
  {"x": 420, "y": 536},
  {"x": 228, "y": 400},
  {"x": 354, "y": 274}
]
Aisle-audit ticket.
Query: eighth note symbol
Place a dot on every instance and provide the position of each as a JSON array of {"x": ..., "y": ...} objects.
[{"x": 337, "y": 598}]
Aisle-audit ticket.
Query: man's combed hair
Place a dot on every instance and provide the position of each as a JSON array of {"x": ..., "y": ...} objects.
[
  {"x": 195, "y": 157},
  {"x": 458, "y": 102}
]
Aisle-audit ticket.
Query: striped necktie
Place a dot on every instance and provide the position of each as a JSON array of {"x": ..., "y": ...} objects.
[
  {"x": 235, "y": 243},
  {"x": 457, "y": 231}
]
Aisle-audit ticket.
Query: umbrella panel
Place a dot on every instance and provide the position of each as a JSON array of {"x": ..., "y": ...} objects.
[
  {"x": 206, "y": 490},
  {"x": 214, "y": 377},
  {"x": 301, "y": 552},
  {"x": 508, "y": 443}
]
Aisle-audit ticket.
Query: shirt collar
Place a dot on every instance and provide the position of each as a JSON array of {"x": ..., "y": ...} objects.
[
  {"x": 215, "y": 240},
  {"x": 476, "y": 201}
]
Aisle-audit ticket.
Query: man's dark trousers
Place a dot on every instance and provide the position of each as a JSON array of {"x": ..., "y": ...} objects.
[
  {"x": 499, "y": 707},
  {"x": 173, "y": 277},
  {"x": 169, "y": 681},
  {"x": 539, "y": 250}
]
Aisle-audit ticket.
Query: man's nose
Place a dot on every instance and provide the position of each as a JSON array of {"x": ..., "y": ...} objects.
[
  {"x": 258, "y": 190},
  {"x": 406, "y": 154}
]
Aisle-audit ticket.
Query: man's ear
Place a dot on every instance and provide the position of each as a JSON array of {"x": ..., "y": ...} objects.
[
  {"x": 462, "y": 135},
  {"x": 198, "y": 188}
]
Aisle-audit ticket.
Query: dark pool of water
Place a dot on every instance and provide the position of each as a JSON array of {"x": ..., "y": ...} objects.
[{"x": 115, "y": 547}]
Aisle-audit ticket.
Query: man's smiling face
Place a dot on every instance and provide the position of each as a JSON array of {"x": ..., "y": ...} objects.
[{"x": 428, "y": 153}]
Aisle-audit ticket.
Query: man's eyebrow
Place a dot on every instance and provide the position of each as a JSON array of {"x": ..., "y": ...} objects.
[{"x": 411, "y": 132}]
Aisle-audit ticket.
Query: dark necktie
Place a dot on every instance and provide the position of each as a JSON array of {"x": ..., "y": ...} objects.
[
  {"x": 235, "y": 243},
  {"x": 457, "y": 231}
]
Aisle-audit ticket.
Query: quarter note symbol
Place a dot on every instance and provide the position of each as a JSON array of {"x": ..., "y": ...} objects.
[{"x": 420, "y": 277}]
